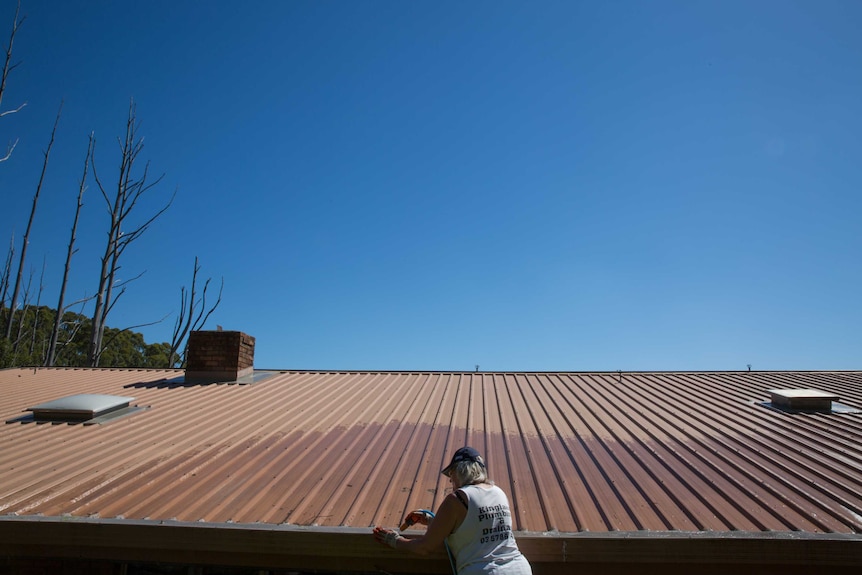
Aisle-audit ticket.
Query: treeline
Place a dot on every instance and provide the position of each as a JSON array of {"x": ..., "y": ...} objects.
[
  {"x": 32, "y": 334},
  {"x": 32, "y": 329}
]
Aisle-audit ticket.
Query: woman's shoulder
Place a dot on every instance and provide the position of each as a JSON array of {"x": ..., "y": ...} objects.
[{"x": 478, "y": 487}]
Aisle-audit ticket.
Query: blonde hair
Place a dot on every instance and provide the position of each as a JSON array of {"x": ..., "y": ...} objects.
[{"x": 469, "y": 472}]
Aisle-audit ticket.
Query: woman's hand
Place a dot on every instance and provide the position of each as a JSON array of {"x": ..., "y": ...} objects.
[
  {"x": 421, "y": 516},
  {"x": 386, "y": 536}
]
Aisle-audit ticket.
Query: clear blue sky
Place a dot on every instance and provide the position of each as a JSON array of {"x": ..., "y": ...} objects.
[{"x": 438, "y": 185}]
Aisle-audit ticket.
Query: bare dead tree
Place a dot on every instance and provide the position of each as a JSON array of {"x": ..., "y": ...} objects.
[
  {"x": 35, "y": 325},
  {"x": 192, "y": 317},
  {"x": 128, "y": 192},
  {"x": 51, "y": 355},
  {"x": 70, "y": 328},
  {"x": 7, "y": 271},
  {"x": 8, "y": 66},
  {"x": 17, "y": 287},
  {"x": 19, "y": 332}
]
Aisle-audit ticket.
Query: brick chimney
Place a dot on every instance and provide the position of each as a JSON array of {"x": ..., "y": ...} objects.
[{"x": 219, "y": 356}]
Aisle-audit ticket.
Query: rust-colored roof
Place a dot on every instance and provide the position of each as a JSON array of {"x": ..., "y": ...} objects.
[{"x": 576, "y": 452}]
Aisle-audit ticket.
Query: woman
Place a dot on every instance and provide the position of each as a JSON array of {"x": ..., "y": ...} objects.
[{"x": 474, "y": 520}]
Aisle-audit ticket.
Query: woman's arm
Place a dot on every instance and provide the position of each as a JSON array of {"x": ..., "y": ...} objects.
[{"x": 450, "y": 514}]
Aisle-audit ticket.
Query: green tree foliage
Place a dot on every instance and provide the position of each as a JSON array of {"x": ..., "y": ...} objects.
[{"x": 31, "y": 334}]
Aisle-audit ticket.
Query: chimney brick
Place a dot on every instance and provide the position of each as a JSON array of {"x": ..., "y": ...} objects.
[{"x": 219, "y": 355}]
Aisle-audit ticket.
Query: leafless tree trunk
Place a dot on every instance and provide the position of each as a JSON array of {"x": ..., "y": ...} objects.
[
  {"x": 129, "y": 191},
  {"x": 35, "y": 326},
  {"x": 7, "y": 271},
  {"x": 71, "y": 333},
  {"x": 187, "y": 321},
  {"x": 51, "y": 355},
  {"x": 8, "y": 66},
  {"x": 19, "y": 333},
  {"x": 16, "y": 290}
]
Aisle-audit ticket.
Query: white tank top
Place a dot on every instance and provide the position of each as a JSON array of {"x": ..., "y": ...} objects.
[{"x": 484, "y": 542}]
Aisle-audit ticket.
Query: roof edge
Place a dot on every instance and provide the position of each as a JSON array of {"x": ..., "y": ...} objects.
[
  {"x": 353, "y": 548},
  {"x": 613, "y": 372}
]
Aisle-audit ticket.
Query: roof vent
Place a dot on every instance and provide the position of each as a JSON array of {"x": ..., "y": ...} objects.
[
  {"x": 803, "y": 399},
  {"x": 86, "y": 408}
]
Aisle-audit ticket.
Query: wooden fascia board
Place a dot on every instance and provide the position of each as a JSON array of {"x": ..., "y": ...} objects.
[
  {"x": 695, "y": 548},
  {"x": 353, "y": 549}
]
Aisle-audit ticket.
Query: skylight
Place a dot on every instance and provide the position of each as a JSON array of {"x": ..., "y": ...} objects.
[
  {"x": 807, "y": 401},
  {"x": 86, "y": 408},
  {"x": 803, "y": 399}
]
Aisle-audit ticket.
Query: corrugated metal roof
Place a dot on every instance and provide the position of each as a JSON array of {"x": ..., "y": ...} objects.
[{"x": 576, "y": 452}]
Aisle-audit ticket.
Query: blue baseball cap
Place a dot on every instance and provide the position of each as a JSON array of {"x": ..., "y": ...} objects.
[{"x": 463, "y": 454}]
